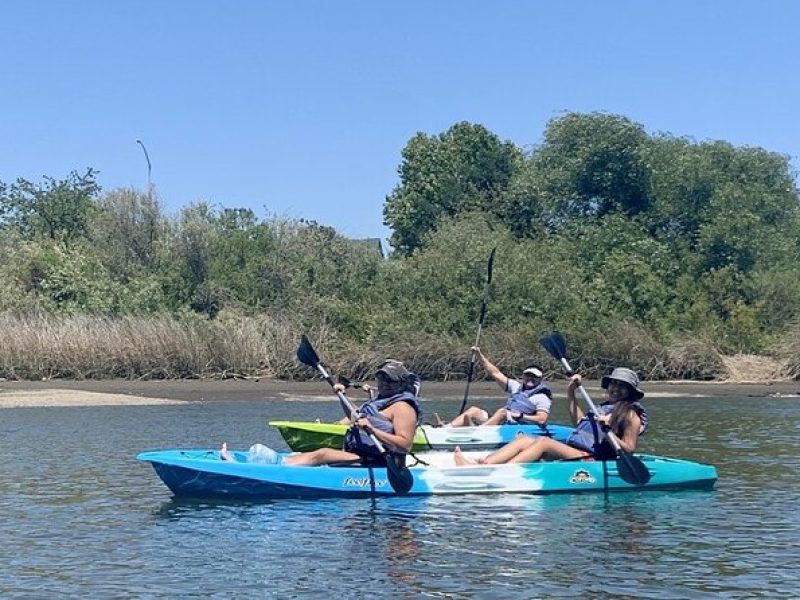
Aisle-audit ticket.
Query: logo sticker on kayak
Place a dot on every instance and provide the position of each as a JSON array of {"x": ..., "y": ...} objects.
[
  {"x": 582, "y": 476},
  {"x": 363, "y": 482}
]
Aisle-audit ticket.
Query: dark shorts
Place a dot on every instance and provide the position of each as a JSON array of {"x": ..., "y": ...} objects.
[{"x": 370, "y": 457}]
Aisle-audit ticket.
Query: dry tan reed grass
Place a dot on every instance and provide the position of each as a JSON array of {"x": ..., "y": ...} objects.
[
  {"x": 694, "y": 358},
  {"x": 623, "y": 345},
  {"x": 41, "y": 346},
  {"x": 788, "y": 353},
  {"x": 749, "y": 367}
]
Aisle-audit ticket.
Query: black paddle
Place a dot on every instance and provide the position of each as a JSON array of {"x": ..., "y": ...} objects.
[
  {"x": 400, "y": 477},
  {"x": 349, "y": 384},
  {"x": 630, "y": 468},
  {"x": 484, "y": 303}
]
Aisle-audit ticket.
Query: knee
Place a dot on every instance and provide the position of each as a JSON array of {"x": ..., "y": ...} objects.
[{"x": 526, "y": 442}]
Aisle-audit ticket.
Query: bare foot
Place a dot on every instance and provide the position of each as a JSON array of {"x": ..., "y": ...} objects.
[
  {"x": 438, "y": 421},
  {"x": 460, "y": 459},
  {"x": 224, "y": 454}
]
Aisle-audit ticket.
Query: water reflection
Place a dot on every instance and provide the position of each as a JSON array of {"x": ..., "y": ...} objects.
[{"x": 391, "y": 536}]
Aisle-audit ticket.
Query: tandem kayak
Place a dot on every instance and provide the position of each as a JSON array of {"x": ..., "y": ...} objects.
[
  {"x": 203, "y": 474},
  {"x": 304, "y": 436}
]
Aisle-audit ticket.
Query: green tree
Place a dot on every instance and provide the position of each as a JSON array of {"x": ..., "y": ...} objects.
[
  {"x": 129, "y": 226},
  {"x": 464, "y": 169},
  {"x": 708, "y": 195},
  {"x": 56, "y": 209},
  {"x": 591, "y": 165}
]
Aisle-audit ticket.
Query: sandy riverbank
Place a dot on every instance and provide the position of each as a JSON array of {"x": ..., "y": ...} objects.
[{"x": 124, "y": 392}]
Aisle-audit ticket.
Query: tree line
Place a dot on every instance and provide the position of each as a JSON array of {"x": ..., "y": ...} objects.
[{"x": 649, "y": 248}]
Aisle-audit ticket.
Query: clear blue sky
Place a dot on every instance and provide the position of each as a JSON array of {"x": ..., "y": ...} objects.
[{"x": 301, "y": 109}]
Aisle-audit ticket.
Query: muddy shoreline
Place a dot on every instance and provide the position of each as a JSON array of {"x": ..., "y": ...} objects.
[{"x": 121, "y": 392}]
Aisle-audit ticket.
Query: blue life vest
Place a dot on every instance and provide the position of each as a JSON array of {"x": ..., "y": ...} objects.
[
  {"x": 521, "y": 401},
  {"x": 589, "y": 436},
  {"x": 358, "y": 441}
]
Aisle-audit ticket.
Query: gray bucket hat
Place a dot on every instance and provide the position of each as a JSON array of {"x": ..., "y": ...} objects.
[
  {"x": 626, "y": 376},
  {"x": 394, "y": 370}
]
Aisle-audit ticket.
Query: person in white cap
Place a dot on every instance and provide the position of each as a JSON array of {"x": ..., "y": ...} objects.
[
  {"x": 621, "y": 413},
  {"x": 528, "y": 401}
]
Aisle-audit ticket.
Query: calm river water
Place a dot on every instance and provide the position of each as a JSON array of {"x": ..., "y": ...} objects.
[{"x": 82, "y": 518}]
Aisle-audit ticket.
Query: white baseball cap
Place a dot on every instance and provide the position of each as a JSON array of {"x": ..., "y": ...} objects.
[{"x": 535, "y": 371}]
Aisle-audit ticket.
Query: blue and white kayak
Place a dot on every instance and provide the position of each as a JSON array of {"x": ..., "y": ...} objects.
[
  {"x": 303, "y": 436},
  {"x": 203, "y": 474}
]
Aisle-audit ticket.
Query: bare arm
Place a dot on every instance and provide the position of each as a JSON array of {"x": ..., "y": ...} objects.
[
  {"x": 575, "y": 411},
  {"x": 539, "y": 418},
  {"x": 404, "y": 422},
  {"x": 631, "y": 437},
  {"x": 542, "y": 404},
  {"x": 491, "y": 369}
]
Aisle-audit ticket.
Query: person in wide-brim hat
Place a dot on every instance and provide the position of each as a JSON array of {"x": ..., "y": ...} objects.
[{"x": 626, "y": 376}]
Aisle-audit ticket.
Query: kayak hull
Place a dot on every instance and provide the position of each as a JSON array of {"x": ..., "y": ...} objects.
[
  {"x": 304, "y": 436},
  {"x": 203, "y": 474}
]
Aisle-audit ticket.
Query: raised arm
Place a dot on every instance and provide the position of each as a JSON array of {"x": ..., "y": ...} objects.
[
  {"x": 575, "y": 412},
  {"x": 491, "y": 369}
]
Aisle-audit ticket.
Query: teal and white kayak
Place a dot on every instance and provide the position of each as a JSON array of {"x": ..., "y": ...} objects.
[
  {"x": 303, "y": 436},
  {"x": 203, "y": 474}
]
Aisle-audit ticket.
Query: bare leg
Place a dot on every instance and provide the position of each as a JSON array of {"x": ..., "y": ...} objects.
[
  {"x": 498, "y": 418},
  {"x": 546, "y": 445},
  {"x": 469, "y": 417},
  {"x": 224, "y": 454},
  {"x": 510, "y": 450},
  {"x": 323, "y": 456}
]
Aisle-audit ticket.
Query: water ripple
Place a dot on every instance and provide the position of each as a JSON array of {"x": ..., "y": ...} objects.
[{"x": 82, "y": 518}]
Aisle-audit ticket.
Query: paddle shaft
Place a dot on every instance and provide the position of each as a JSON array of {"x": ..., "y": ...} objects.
[
  {"x": 471, "y": 369},
  {"x": 354, "y": 414},
  {"x": 481, "y": 319}
]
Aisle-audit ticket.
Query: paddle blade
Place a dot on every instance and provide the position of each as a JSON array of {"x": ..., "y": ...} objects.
[
  {"x": 306, "y": 353},
  {"x": 632, "y": 469},
  {"x": 555, "y": 344},
  {"x": 400, "y": 477}
]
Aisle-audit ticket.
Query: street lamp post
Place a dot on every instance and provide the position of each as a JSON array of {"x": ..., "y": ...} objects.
[{"x": 147, "y": 158}]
